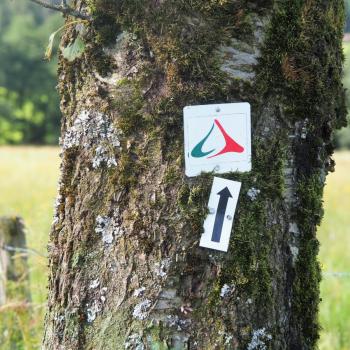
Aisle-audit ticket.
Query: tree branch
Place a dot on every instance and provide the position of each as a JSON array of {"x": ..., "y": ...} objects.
[{"x": 63, "y": 8}]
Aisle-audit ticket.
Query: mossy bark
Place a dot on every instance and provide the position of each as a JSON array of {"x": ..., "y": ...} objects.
[{"x": 126, "y": 268}]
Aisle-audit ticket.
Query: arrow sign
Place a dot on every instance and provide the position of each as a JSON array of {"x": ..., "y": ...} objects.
[
  {"x": 220, "y": 214},
  {"x": 222, "y": 206}
]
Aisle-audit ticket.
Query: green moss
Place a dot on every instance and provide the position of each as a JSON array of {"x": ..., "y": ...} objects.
[
  {"x": 193, "y": 200},
  {"x": 171, "y": 175},
  {"x": 302, "y": 64},
  {"x": 108, "y": 332},
  {"x": 78, "y": 258},
  {"x": 72, "y": 325},
  {"x": 129, "y": 103},
  {"x": 306, "y": 283},
  {"x": 157, "y": 337}
]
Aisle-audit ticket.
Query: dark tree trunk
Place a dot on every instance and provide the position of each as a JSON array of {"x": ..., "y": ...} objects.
[{"x": 126, "y": 268}]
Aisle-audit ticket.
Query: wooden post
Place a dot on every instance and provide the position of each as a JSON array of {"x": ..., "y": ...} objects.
[{"x": 13, "y": 260}]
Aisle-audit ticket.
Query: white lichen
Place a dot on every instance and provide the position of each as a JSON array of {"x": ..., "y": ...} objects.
[
  {"x": 295, "y": 253},
  {"x": 141, "y": 310},
  {"x": 178, "y": 323},
  {"x": 102, "y": 155},
  {"x": 228, "y": 339},
  {"x": 293, "y": 228},
  {"x": 226, "y": 290},
  {"x": 93, "y": 131},
  {"x": 253, "y": 193},
  {"x": 57, "y": 204},
  {"x": 134, "y": 342},
  {"x": 94, "y": 284},
  {"x": 139, "y": 292},
  {"x": 162, "y": 267},
  {"x": 259, "y": 339},
  {"x": 239, "y": 58},
  {"x": 103, "y": 292},
  {"x": 59, "y": 318},
  {"x": 108, "y": 227},
  {"x": 92, "y": 311}
]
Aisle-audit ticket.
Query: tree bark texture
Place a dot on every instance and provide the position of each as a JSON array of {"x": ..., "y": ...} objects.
[{"x": 126, "y": 268}]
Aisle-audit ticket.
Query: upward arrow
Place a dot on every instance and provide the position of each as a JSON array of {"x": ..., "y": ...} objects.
[{"x": 224, "y": 194}]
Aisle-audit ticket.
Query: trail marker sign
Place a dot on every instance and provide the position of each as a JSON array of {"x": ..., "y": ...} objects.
[
  {"x": 217, "y": 138},
  {"x": 222, "y": 206}
]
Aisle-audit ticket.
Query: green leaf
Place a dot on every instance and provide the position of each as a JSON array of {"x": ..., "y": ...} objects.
[
  {"x": 48, "y": 51},
  {"x": 74, "y": 50}
]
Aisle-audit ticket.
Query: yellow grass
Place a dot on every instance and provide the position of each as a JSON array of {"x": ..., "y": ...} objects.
[
  {"x": 334, "y": 235},
  {"x": 28, "y": 183}
]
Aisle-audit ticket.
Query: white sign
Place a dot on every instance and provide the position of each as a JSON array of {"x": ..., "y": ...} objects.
[
  {"x": 222, "y": 206},
  {"x": 217, "y": 138}
]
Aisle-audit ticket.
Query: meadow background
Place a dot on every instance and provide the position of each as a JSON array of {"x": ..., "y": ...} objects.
[{"x": 29, "y": 170}]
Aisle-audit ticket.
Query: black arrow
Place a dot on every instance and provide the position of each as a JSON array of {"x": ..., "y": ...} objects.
[{"x": 224, "y": 194}]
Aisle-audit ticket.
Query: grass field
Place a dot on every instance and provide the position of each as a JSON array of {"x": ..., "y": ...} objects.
[
  {"x": 28, "y": 184},
  {"x": 28, "y": 181},
  {"x": 334, "y": 235}
]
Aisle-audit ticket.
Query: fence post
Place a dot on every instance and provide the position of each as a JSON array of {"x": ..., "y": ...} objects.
[{"x": 13, "y": 260}]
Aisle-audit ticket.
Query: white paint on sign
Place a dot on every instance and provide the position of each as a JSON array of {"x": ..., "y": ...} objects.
[
  {"x": 217, "y": 138},
  {"x": 222, "y": 206}
]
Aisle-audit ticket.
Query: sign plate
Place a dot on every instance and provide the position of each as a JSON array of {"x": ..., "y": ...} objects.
[
  {"x": 217, "y": 138},
  {"x": 222, "y": 206}
]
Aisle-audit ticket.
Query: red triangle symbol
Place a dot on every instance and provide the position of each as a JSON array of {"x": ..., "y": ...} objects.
[{"x": 231, "y": 145}]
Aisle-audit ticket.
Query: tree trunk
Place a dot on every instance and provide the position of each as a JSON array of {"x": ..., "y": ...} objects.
[{"x": 127, "y": 271}]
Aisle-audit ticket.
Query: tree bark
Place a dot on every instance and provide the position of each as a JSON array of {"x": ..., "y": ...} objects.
[{"x": 126, "y": 268}]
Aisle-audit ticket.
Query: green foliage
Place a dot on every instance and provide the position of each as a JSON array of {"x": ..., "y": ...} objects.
[
  {"x": 74, "y": 50},
  {"x": 17, "y": 116},
  {"x": 29, "y": 104},
  {"x": 48, "y": 52}
]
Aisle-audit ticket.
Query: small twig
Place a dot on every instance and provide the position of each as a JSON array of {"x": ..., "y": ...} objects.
[{"x": 64, "y": 8}]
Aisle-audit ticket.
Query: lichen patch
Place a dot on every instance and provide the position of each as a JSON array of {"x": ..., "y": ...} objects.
[
  {"x": 108, "y": 227},
  {"x": 94, "y": 131},
  {"x": 141, "y": 310},
  {"x": 162, "y": 267},
  {"x": 226, "y": 290},
  {"x": 92, "y": 311},
  {"x": 259, "y": 339}
]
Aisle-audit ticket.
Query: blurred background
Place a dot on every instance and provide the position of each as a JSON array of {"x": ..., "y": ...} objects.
[{"x": 29, "y": 169}]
